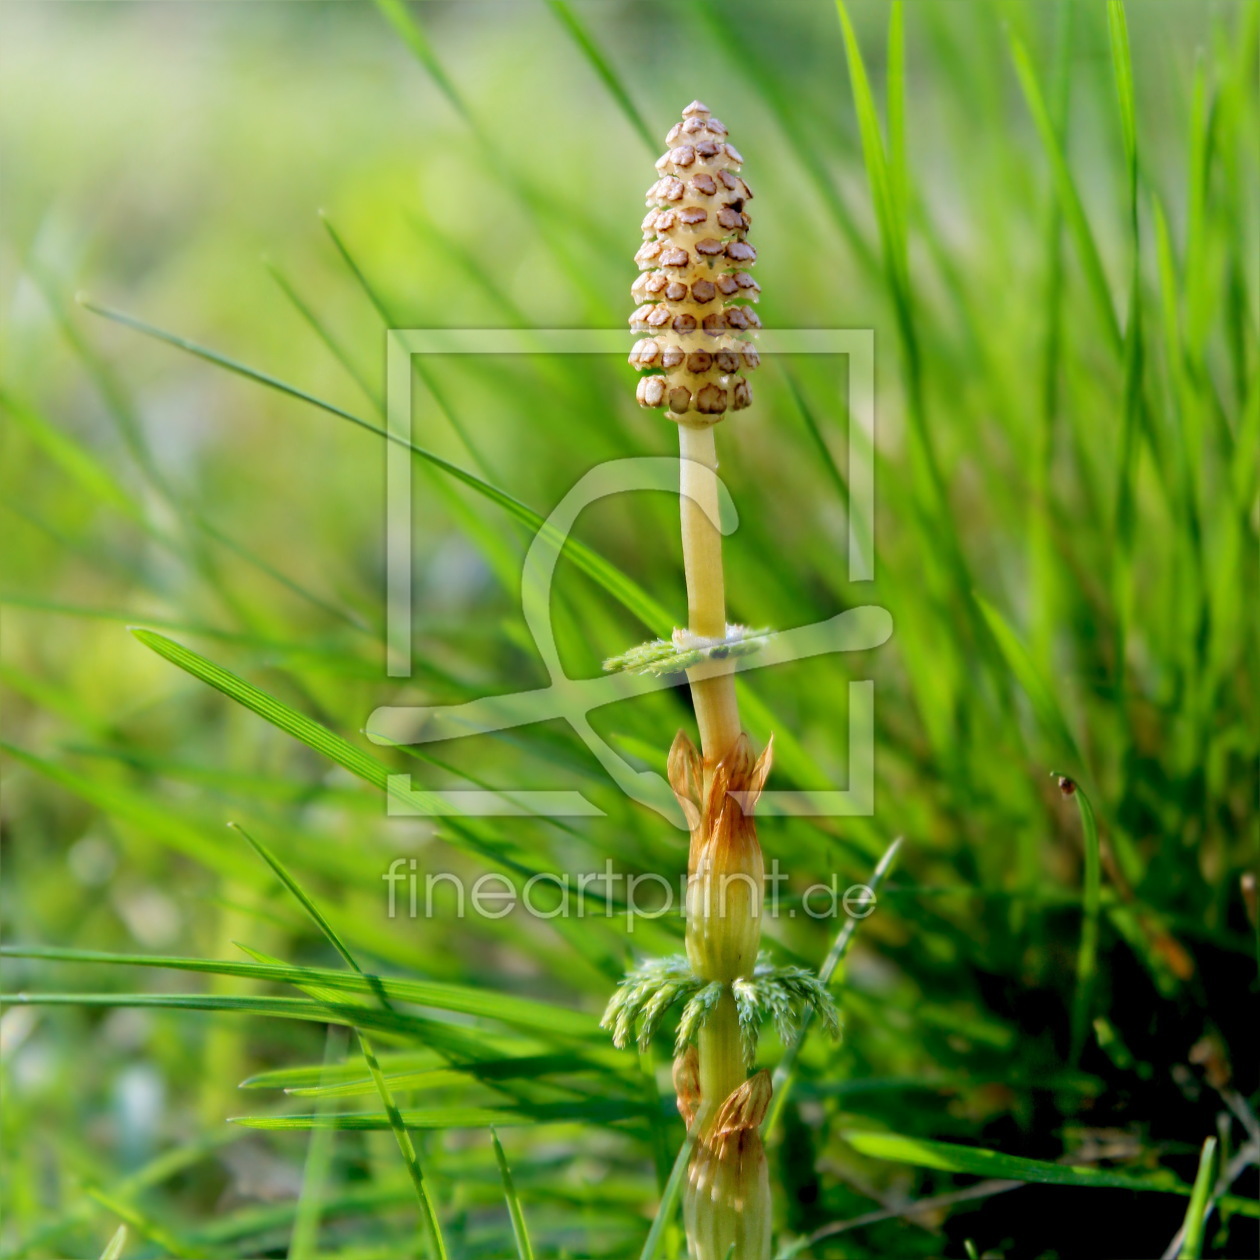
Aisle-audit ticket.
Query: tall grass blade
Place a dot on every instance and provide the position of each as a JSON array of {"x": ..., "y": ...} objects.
[
  {"x": 399, "y": 15},
  {"x": 784, "y": 1073},
  {"x": 406, "y": 1146},
  {"x": 1066, "y": 190},
  {"x": 950, "y": 1157},
  {"x": 525, "y": 1013},
  {"x": 603, "y": 68},
  {"x": 669, "y": 1202},
  {"x": 622, "y": 588},
  {"x": 304, "y": 1240},
  {"x": 1087, "y": 955},
  {"x": 520, "y": 1232},
  {"x": 1200, "y": 1205},
  {"x": 114, "y": 1248}
]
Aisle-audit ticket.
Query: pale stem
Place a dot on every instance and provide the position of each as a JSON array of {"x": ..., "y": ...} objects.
[
  {"x": 721, "y": 1055},
  {"x": 720, "y": 1050},
  {"x": 716, "y": 712}
]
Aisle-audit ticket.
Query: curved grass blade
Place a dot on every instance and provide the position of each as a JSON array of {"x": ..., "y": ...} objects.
[
  {"x": 519, "y": 1067},
  {"x": 950, "y": 1157},
  {"x": 405, "y": 1145},
  {"x": 153, "y": 1230},
  {"x": 321, "y": 330},
  {"x": 137, "y": 809},
  {"x": 505, "y": 1008},
  {"x": 669, "y": 1201},
  {"x": 304, "y": 1240},
  {"x": 524, "y": 1248},
  {"x": 314, "y": 735},
  {"x": 397, "y": 14},
  {"x": 324, "y": 741},
  {"x": 1048, "y": 712},
  {"x": 300, "y": 895},
  {"x": 618, "y": 585},
  {"x": 584, "y": 1111},
  {"x": 783, "y": 1074},
  {"x": 604, "y": 71},
  {"x": 1066, "y": 190},
  {"x": 1087, "y": 956},
  {"x": 776, "y": 93},
  {"x": 114, "y": 1248},
  {"x": 1197, "y": 1210},
  {"x": 302, "y": 1009}
]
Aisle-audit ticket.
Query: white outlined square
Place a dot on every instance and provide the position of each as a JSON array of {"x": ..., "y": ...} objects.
[{"x": 854, "y": 630}]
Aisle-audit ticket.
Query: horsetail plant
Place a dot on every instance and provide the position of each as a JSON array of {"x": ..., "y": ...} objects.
[{"x": 694, "y": 292}]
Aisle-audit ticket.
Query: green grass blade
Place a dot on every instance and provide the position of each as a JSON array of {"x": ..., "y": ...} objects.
[
  {"x": 82, "y": 467},
  {"x": 300, "y": 1009},
  {"x": 895, "y": 110},
  {"x": 669, "y": 1201},
  {"x": 1122, "y": 67},
  {"x": 519, "y": 1012},
  {"x": 873, "y": 156},
  {"x": 316, "y": 1169},
  {"x": 1131, "y": 416},
  {"x": 776, "y": 94},
  {"x": 151, "y": 1229},
  {"x": 114, "y": 1248},
  {"x": 974, "y": 1160},
  {"x": 279, "y": 714},
  {"x": 1046, "y": 708},
  {"x": 785, "y": 1072},
  {"x": 1066, "y": 190},
  {"x": 406, "y": 1146},
  {"x": 518, "y": 1067},
  {"x": 300, "y": 895},
  {"x": 318, "y": 737},
  {"x": 1043, "y": 564},
  {"x": 321, "y": 330},
  {"x": 392, "y": 320},
  {"x": 524, "y": 1248},
  {"x": 604, "y": 70},
  {"x": 622, "y": 588},
  {"x": 1087, "y": 955},
  {"x": 400, "y": 17},
  {"x": 584, "y": 1111},
  {"x": 1200, "y": 1205}
]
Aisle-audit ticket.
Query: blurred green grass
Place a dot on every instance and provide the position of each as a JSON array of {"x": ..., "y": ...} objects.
[{"x": 1065, "y": 312}]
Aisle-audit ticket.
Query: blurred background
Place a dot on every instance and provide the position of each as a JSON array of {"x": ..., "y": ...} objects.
[{"x": 1059, "y": 266}]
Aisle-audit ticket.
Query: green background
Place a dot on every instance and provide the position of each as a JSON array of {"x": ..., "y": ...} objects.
[{"x": 1050, "y": 224}]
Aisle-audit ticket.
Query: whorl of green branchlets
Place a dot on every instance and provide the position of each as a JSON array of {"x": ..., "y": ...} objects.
[
  {"x": 659, "y": 657},
  {"x": 780, "y": 994},
  {"x": 694, "y": 289}
]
